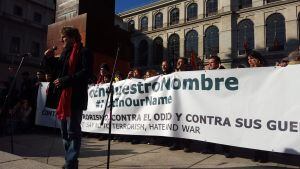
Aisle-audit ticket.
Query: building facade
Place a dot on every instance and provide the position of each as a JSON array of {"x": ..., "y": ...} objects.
[
  {"x": 168, "y": 29},
  {"x": 24, "y": 30}
]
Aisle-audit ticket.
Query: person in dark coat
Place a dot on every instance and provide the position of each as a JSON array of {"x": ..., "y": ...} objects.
[{"x": 73, "y": 70}]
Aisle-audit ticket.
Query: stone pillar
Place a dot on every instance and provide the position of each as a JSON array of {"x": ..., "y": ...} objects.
[
  {"x": 181, "y": 42},
  {"x": 165, "y": 16},
  {"x": 225, "y": 34},
  {"x": 150, "y": 21},
  {"x": 200, "y": 42},
  {"x": 256, "y": 3},
  {"x": 224, "y": 5},
  {"x": 201, "y": 5},
  {"x": 165, "y": 45},
  {"x": 259, "y": 31},
  {"x": 291, "y": 22},
  {"x": 182, "y": 17}
]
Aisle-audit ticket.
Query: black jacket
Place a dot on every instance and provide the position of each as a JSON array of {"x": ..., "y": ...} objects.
[{"x": 78, "y": 81}]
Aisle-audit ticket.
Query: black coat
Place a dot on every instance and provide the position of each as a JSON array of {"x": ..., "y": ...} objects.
[{"x": 78, "y": 81}]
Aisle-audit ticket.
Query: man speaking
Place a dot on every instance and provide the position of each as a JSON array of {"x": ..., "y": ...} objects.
[{"x": 73, "y": 69}]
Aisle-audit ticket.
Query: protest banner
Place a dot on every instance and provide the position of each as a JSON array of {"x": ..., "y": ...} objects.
[{"x": 251, "y": 108}]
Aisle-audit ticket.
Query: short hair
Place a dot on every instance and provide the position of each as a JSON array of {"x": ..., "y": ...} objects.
[
  {"x": 184, "y": 59},
  {"x": 257, "y": 56},
  {"x": 216, "y": 58},
  {"x": 71, "y": 32}
]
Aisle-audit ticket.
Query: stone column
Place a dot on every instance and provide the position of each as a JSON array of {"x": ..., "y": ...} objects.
[
  {"x": 201, "y": 6},
  {"x": 150, "y": 21},
  {"x": 291, "y": 26},
  {"x": 165, "y": 16},
  {"x": 181, "y": 42},
  {"x": 256, "y": 3},
  {"x": 259, "y": 31},
  {"x": 182, "y": 16},
  {"x": 225, "y": 34}
]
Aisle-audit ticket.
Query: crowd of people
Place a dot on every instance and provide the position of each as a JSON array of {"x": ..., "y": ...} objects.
[
  {"x": 21, "y": 108},
  {"x": 254, "y": 59},
  {"x": 21, "y": 104}
]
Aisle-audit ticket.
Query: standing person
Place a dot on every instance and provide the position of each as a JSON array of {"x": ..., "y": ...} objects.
[
  {"x": 165, "y": 68},
  {"x": 214, "y": 63},
  {"x": 73, "y": 69},
  {"x": 255, "y": 59}
]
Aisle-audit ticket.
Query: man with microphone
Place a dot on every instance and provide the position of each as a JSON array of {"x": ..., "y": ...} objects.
[{"x": 73, "y": 69}]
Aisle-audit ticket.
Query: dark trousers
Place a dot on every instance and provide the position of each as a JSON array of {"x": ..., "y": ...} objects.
[{"x": 71, "y": 135}]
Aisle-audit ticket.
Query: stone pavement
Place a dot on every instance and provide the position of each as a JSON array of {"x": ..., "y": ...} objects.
[{"x": 44, "y": 151}]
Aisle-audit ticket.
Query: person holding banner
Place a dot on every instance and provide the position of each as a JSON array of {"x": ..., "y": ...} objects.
[
  {"x": 255, "y": 59},
  {"x": 73, "y": 69}
]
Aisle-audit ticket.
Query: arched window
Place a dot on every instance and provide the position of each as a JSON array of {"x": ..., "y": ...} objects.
[
  {"x": 211, "y": 41},
  {"x": 144, "y": 23},
  {"x": 174, "y": 16},
  {"x": 245, "y": 4},
  {"x": 275, "y": 31},
  {"x": 143, "y": 53},
  {"x": 245, "y": 36},
  {"x": 131, "y": 26},
  {"x": 158, "y": 20},
  {"x": 192, "y": 12},
  {"x": 211, "y": 7},
  {"x": 158, "y": 50},
  {"x": 191, "y": 43},
  {"x": 173, "y": 49}
]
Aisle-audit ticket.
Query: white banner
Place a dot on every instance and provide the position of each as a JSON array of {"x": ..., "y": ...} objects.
[
  {"x": 45, "y": 116},
  {"x": 253, "y": 108}
]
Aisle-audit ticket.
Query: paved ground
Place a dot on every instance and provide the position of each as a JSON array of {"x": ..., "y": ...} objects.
[{"x": 45, "y": 148}]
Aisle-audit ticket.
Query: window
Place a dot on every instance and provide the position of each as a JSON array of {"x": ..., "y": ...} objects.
[
  {"x": 144, "y": 23},
  {"x": 35, "y": 49},
  {"x": 143, "y": 53},
  {"x": 158, "y": 20},
  {"x": 37, "y": 17},
  {"x": 275, "y": 32},
  {"x": 245, "y": 4},
  {"x": 192, "y": 12},
  {"x": 173, "y": 49},
  {"x": 211, "y": 41},
  {"x": 131, "y": 26},
  {"x": 245, "y": 36},
  {"x": 17, "y": 10},
  {"x": 15, "y": 44},
  {"x": 211, "y": 7},
  {"x": 158, "y": 50},
  {"x": 191, "y": 43},
  {"x": 174, "y": 16}
]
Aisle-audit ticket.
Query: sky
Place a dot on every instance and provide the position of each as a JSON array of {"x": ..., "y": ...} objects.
[{"x": 123, "y": 5}]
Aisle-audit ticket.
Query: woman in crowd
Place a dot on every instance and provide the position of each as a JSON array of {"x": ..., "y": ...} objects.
[{"x": 255, "y": 59}]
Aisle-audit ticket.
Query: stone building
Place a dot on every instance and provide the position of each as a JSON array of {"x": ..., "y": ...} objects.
[
  {"x": 23, "y": 30},
  {"x": 168, "y": 29}
]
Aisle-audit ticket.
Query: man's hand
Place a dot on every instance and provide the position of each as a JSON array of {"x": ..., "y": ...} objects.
[
  {"x": 49, "y": 53},
  {"x": 57, "y": 83}
]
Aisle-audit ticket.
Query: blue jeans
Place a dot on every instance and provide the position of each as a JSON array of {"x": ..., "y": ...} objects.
[{"x": 71, "y": 135}]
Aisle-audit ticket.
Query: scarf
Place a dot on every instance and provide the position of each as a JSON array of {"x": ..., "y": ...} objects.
[{"x": 63, "y": 109}]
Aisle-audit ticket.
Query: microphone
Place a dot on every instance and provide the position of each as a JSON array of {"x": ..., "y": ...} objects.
[{"x": 54, "y": 48}]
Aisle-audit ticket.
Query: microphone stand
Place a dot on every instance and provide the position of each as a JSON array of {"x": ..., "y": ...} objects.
[
  {"x": 110, "y": 93},
  {"x": 7, "y": 101}
]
